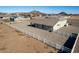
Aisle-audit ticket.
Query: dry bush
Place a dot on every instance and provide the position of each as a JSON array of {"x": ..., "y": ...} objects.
[
  {"x": 50, "y": 52},
  {"x": 37, "y": 51},
  {"x": 46, "y": 47}
]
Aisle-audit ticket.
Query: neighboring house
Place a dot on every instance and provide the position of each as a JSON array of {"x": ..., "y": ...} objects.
[
  {"x": 50, "y": 23},
  {"x": 7, "y": 19},
  {"x": 20, "y": 19}
]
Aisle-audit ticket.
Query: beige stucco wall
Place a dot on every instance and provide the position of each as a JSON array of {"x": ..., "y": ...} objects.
[{"x": 59, "y": 24}]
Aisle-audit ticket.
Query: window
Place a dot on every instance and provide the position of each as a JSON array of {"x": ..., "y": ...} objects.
[{"x": 41, "y": 26}]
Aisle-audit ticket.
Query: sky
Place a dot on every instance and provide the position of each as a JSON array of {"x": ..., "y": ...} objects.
[{"x": 46, "y": 9}]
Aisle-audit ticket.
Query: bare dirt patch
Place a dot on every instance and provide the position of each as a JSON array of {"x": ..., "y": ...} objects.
[
  {"x": 12, "y": 40},
  {"x": 74, "y": 20}
]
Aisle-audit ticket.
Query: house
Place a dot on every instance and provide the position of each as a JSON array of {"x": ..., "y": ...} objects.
[
  {"x": 20, "y": 19},
  {"x": 49, "y": 23},
  {"x": 7, "y": 19}
]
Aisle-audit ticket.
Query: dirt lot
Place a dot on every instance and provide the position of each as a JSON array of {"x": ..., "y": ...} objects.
[
  {"x": 74, "y": 20},
  {"x": 12, "y": 40}
]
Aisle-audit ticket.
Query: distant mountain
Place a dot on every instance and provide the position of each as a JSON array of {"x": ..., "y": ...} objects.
[
  {"x": 37, "y": 12},
  {"x": 63, "y": 13}
]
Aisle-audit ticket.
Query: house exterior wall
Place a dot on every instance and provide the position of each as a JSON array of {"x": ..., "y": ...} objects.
[{"x": 59, "y": 24}]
